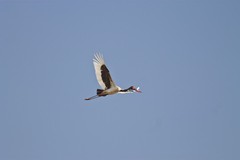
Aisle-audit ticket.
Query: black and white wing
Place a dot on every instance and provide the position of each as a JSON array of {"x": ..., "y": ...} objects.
[{"x": 102, "y": 73}]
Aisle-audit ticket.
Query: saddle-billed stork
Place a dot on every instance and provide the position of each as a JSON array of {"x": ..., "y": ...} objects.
[{"x": 105, "y": 81}]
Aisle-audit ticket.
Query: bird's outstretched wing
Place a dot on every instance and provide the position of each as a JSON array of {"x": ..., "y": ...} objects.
[{"x": 102, "y": 73}]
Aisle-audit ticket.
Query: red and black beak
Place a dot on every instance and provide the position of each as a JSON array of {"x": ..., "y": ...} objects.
[{"x": 137, "y": 89}]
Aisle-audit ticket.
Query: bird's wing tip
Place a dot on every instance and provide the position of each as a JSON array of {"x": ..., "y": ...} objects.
[{"x": 98, "y": 58}]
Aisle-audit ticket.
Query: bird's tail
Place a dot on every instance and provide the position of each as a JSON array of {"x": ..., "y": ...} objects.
[{"x": 99, "y": 91}]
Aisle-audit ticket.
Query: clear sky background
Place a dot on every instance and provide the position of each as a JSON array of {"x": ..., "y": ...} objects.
[{"x": 184, "y": 54}]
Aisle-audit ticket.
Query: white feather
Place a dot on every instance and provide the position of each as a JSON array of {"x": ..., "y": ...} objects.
[{"x": 98, "y": 61}]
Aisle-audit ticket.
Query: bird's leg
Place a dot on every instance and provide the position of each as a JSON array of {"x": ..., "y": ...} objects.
[{"x": 93, "y": 97}]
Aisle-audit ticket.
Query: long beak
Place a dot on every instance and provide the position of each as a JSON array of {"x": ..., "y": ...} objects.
[{"x": 137, "y": 90}]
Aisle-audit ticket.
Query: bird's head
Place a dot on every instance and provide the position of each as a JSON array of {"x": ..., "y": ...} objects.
[{"x": 134, "y": 89}]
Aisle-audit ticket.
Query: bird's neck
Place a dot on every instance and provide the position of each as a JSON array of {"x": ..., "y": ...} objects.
[{"x": 125, "y": 90}]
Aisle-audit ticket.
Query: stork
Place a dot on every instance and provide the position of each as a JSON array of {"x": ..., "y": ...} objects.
[{"x": 105, "y": 81}]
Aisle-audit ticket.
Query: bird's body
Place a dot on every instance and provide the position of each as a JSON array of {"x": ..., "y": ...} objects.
[{"x": 105, "y": 80}]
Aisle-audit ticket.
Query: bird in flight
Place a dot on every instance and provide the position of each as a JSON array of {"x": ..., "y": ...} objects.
[{"x": 105, "y": 81}]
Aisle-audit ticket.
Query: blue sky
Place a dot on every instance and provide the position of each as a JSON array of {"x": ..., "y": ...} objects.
[{"x": 183, "y": 54}]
